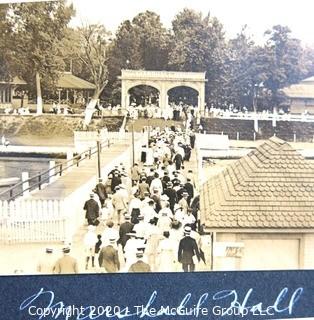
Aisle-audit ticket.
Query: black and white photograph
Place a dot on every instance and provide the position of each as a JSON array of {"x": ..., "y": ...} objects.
[{"x": 156, "y": 136}]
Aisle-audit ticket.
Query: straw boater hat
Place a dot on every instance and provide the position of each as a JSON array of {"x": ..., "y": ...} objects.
[
  {"x": 127, "y": 216},
  {"x": 112, "y": 240},
  {"x": 140, "y": 251},
  {"x": 187, "y": 230},
  {"x": 139, "y": 254},
  {"x": 66, "y": 250}
]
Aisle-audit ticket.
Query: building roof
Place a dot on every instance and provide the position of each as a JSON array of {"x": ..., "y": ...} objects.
[
  {"x": 304, "y": 89},
  {"x": 68, "y": 80},
  {"x": 15, "y": 80},
  {"x": 271, "y": 187}
]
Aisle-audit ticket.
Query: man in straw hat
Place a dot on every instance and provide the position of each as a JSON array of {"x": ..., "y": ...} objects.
[
  {"x": 140, "y": 265},
  {"x": 47, "y": 262},
  {"x": 66, "y": 264},
  {"x": 187, "y": 249}
]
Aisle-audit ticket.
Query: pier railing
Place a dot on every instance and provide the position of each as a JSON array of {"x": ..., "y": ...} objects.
[{"x": 37, "y": 181}]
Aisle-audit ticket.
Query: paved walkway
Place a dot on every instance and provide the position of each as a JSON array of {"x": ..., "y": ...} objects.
[
  {"x": 77, "y": 176},
  {"x": 25, "y": 256}
]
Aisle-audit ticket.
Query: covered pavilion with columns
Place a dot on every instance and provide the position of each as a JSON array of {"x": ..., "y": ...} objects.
[{"x": 163, "y": 81}]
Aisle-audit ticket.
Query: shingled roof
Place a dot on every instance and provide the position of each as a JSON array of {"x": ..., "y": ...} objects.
[
  {"x": 68, "y": 80},
  {"x": 304, "y": 89},
  {"x": 271, "y": 187}
]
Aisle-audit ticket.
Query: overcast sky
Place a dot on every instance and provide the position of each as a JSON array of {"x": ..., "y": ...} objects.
[{"x": 259, "y": 15}]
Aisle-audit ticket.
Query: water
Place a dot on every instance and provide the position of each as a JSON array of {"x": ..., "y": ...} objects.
[{"x": 13, "y": 167}]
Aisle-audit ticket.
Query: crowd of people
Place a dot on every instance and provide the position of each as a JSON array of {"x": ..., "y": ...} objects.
[
  {"x": 170, "y": 112},
  {"x": 145, "y": 218}
]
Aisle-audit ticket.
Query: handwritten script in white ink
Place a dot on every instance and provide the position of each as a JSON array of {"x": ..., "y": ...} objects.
[{"x": 42, "y": 305}]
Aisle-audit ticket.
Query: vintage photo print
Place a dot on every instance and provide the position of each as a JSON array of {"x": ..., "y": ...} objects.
[{"x": 156, "y": 136}]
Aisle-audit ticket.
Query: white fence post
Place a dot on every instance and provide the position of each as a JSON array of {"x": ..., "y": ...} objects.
[
  {"x": 52, "y": 171},
  {"x": 25, "y": 186},
  {"x": 34, "y": 221}
]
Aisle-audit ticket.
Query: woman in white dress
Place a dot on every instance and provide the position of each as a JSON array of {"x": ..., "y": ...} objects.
[{"x": 166, "y": 254}]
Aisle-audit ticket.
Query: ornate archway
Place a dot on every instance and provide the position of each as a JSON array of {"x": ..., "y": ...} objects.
[
  {"x": 142, "y": 94},
  {"x": 163, "y": 81},
  {"x": 183, "y": 94}
]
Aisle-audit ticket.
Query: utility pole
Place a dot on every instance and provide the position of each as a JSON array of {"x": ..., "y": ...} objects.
[
  {"x": 98, "y": 155},
  {"x": 133, "y": 147}
]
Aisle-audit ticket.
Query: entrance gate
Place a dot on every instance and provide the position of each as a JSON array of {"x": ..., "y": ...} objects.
[{"x": 163, "y": 81}]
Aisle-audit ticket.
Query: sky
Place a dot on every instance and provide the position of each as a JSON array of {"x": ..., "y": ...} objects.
[{"x": 259, "y": 15}]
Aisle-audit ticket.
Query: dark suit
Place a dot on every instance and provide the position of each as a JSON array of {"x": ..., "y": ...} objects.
[
  {"x": 126, "y": 227},
  {"x": 172, "y": 195},
  {"x": 101, "y": 191},
  {"x": 140, "y": 266},
  {"x": 178, "y": 161},
  {"x": 187, "y": 249},
  {"x": 108, "y": 259},
  {"x": 92, "y": 211},
  {"x": 190, "y": 190}
]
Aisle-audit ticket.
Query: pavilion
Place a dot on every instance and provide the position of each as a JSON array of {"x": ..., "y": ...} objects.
[
  {"x": 8, "y": 90},
  {"x": 70, "y": 88}
]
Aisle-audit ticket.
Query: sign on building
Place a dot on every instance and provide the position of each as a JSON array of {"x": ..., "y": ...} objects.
[{"x": 228, "y": 249}]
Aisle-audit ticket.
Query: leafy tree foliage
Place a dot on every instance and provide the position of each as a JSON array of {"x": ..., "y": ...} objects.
[
  {"x": 92, "y": 52},
  {"x": 199, "y": 45},
  {"x": 142, "y": 43},
  {"x": 34, "y": 31},
  {"x": 286, "y": 56},
  {"x": 248, "y": 70}
]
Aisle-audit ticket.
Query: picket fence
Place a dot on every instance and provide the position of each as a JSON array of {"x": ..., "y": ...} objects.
[{"x": 34, "y": 221}]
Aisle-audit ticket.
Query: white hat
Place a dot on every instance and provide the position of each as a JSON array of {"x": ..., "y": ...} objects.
[{"x": 187, "y": 230}]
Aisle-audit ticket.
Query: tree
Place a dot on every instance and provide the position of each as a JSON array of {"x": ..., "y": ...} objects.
[
  {"x": 309, "y": 61},
  {"x": 286, "y": 64},
  {"x": 35, "y": 31},
  {"x": 4, "y": 68},
  {"x": 93, "y": 47},
  {"x": 142, "y": 43},
  {"x": 198, "y": 45},
  {"x": 248, "y": 65}
]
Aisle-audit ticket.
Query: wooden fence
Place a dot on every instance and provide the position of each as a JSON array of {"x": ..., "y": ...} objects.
[{"x": 34, "y": 221}]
